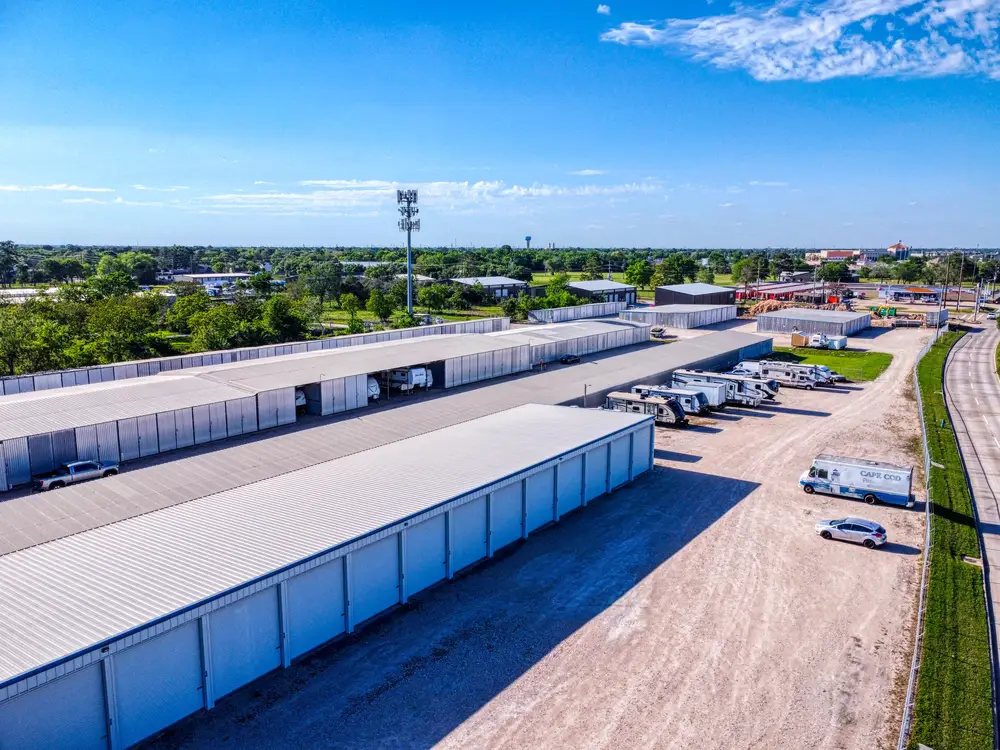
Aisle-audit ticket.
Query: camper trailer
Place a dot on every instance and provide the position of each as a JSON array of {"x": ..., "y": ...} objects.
[
  {"x": 737, "y": 392},
  {"x": 666, "y": 411},
  {"x": 871, "y": 481},
  {"x": 714, "y": 393},
  {"x": 411, "y": 378},
  {"x": 823, "y": 374},
  {"x": 692, "y": 401},
  {"x": 766, "y": 387},
  {"x": 785, "y": 373}
]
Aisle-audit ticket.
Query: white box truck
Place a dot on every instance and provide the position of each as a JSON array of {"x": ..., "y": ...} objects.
[
  {"x": 871, "y": 481},
  {"x": 692, "y": 401},
  {"x": 665, "y": 411},
  {"x": 410, "y": 378},
  {"x": 714, "y": 393},
  {"x": 737, "y": 392}
]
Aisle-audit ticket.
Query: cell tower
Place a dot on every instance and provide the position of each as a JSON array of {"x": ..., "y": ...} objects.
[{"x": 407, "y": 200}]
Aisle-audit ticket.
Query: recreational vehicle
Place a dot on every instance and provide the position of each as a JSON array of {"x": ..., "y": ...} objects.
[
  {"x": 871, "y": 481},
  {"x": 666, "y": 411},
  {"x": 692, "y": 401},
  {"x": 737, "y": 389}
]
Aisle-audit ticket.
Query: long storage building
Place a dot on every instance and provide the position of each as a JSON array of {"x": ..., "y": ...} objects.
[
  {"x": 549, "y": 343},
  {"x": 805, "y": 320},
  {"x": 577, "y": 312},
  {"x": 681, "y": 316},
  {"x": 113, "y": 634}
]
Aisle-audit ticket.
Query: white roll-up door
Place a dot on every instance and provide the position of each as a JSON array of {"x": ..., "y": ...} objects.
[
  {"x": 234, "y": 417},
  {"x": 361, "y": 389},
  {"x": 285, "y": 400},
  {"x": 468, "y": 532},
  {"x": 597, "y": 472},
  {"x": 217, "y": 420},
  {"x": 157, "y": 683},
  {"x": 505, "y": 508},
  {"x": 86, "y": 444},
  {"x": 315, "y": 607},
  {"x": 184, "y": 424},
  {"x": 374, "y": 578},
  {"x": 149, "y": 444},
  {"x": 245, "y": 643},
  {"x": 65, "y": 713},
  {"x": 326, "y": 397},
  {"x": 540, "y": 487},
  {"x": 249, "y": 414},
  {"x": 570, "y": 484},
  {"x": 267, "y": 410},
  {"x": 339, "y": 396},
  {"x": 40, "y": 450},
  {"x": 350, "y": 393},
  {"x": 641, "y": 453},
  {"x": 166, "y": 431},
  {"x": 425, "y": 554},
  {"x": 619, "y": 461},
  {"x": 108, "y": 448},
  {"x": 202, "y": 418}
]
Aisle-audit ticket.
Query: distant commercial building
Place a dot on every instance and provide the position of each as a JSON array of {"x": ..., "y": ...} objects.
[
  {"x": 799, "y": 320},
  {"x": 843, "y": 256},
  {"x": 695, "y": 294},
  {"x": 212, "y": 279},
  {"x": 899, "y": 251},
  {"x": 495, "y": 286},
  {"x": 602, "y": 290},
  {"x": 681, "y": 316},
  {"x": 790, "y": 276}
]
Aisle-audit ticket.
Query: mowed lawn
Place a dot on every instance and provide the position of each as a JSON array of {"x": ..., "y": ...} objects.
[{"x": 853, "y": 365}]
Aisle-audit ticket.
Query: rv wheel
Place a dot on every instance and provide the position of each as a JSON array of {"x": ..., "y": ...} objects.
[{"x": 871, "y": 499}]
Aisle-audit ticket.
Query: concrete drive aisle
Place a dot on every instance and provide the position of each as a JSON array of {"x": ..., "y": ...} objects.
[{"x": 973, "y": 393}]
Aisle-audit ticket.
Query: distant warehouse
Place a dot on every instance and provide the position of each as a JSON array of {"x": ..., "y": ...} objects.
[
  {"x": 801, "y": 320},
  {"x": 695, "y": 294},
  {"x": 115, "y": 633},
  {"x": 495, "y": 286},
  {"x": 681, "y": 316},
  {"x": 602, "y": 290}
]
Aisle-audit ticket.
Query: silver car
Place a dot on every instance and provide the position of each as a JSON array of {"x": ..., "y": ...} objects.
[{"x": 856, "y": 530}]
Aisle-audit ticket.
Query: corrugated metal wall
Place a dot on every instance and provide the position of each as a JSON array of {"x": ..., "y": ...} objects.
[
  {"x": 695, "y": 319},
  {"x": 176, "y": 668},
  {"x": 577, "y": 312},
  {"x": 788, "y": 322},
  {"x": 127, "y": 370}
]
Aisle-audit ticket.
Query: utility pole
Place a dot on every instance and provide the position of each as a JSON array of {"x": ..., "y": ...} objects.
[
  {"x": 944, "y": 291},
  {"x": 407, "y": 200},
  {"x": 961, "y": 275}
]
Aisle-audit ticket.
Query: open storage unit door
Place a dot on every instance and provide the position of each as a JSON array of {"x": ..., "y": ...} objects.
[
  {"x": 374, "y": 579},
  {"x": 67, "y": 713},
  {"x": 315, "y": 601},
  {"x": 468, "y": 532},
  {"x": 157, "y": 683},
  {"x": 245, "y": 643},
  {"x": 425, "y": 554}
]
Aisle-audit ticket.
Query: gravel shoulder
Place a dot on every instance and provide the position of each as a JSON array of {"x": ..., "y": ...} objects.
[{"x": 693, "y": 609}]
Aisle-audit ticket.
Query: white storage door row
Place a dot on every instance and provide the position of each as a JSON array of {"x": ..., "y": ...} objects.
[
  {"x": 137, "y": 691},
  {"x": 127, "y": 370}
]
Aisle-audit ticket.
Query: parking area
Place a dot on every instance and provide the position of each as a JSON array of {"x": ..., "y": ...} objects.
[{"x": 695, "y": 608}]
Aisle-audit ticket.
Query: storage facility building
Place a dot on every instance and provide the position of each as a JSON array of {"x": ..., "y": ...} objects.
[
  {"x": 681, "y": 316},
  {"x": 549, "y": 343},
  {"x": 495, "y": 286},
  {"x": 211, "y": 594},
  {"x": 576, "y": 312},
  {"x": 804, "y": 320},
  {"x": 142, "y": 368},
  {"x": 695, "y": 294},
  {"x": 603, "y": 290}
]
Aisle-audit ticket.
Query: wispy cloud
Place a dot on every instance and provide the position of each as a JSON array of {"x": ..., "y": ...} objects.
[
  {"x": 604, "y": 10},
  {"x": 262, "y": 182},
  {"x": 61, "y": 187},
  {"x": 767, "y": 183},
  {"x": 82, "y": 200},
  {"x": 588, "y": 172},
  {"x": 726, "y": 205},
  {"x": 171, "y": 189},
  {"x": 816, "y": 40}
]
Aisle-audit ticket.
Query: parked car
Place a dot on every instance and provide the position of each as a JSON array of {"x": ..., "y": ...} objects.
[
  {"x": 856, "y": 530},
  {"x": 991, "y": 316},
  {"x": 72, "y": 472},
  {"x": 569, "y": 359}
]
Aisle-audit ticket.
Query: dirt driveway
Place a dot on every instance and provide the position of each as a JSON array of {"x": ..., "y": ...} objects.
[{"x": 694, "y": 609}]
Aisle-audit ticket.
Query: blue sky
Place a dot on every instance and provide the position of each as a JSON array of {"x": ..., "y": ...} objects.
[{"x": 684, "y": 124}]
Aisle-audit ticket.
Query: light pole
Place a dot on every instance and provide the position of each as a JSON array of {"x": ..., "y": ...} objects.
[{"x": 407, "y": 200}]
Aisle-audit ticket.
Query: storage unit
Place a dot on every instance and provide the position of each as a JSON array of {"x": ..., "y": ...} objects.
[
  {"x": 603, "y": 290},
  {"x": 577, "y": 312},
  {"x": 550, "y": 343},
  {"x": 253, "y": 586},
  {"x": 695, "y": 294},
  {"x": 804, "y": 320},
  {"x": 681, "y": 316}
]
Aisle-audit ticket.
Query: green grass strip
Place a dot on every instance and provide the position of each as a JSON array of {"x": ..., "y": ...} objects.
[
  {"x": 954, "y": 689},
  {"x": 852, "y": 364}
]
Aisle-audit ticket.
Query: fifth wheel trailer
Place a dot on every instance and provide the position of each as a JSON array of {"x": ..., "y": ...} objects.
[{"x": 213, "y": 593}]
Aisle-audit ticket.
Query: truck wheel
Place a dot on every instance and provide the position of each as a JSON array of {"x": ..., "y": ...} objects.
[
  {"x": 871, "y": 499},
  {"x": 56, "y": 485},
  {"x": 809, "y": 387},
  {"x": 109, "y": 473},
  {"x": 808, "y": 489},
  {"x": 826, "y": 535},
  {"x": 869, "y": 544}
]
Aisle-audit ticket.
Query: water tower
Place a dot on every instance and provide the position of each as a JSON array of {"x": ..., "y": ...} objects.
[{"x": 527, "y": 242}]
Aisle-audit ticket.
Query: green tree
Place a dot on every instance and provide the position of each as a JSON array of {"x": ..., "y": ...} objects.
[
  {"x": 881, "y": 271},
  {"x": 350, "y": 303},
  {"x": 510, "y": 308},
  {"x": 114, "y": 284},
  {"x": 179, "y": 316},
  {"x": 9, "y": 258},
  {"x": 282, "y": 320},
  {"x": 833, "y": 272},
  {"x": 120, "y": 327},
  {"x": 639, "y": 274},
  {"x": 15, "y": 330},
  {"x": 261, "y": 284},
  {"x": 380, "y": 305},
  {"x": 706, "y": 275},
  {"x": 907, "y": 271},
  {"x": 402, "y": 319},
  {"x": 434, "y": 297},
  {"x": 592, "y": 267},
  {"x": 214, "y": 328},
  {"x": 324, "y": 280}
]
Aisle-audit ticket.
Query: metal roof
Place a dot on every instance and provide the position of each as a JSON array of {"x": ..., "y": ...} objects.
[
  {"x": 800, "y": 313},
  {"x": 678, "y": 308},
  {"x": 312, "y": 367},
  {"x": 698, "y": 288},
  {"x": 150, "y": 485},
  {"x": 862, "y": 462},
  {"x": 490, "y": 281},
  {"x": 599, "y": 285},
  {"x": 23, "y": 414},
  {"x": 565, "y": 331},
  {"x": 72, "y": 594},
  {"x": 38, "y": 412}
]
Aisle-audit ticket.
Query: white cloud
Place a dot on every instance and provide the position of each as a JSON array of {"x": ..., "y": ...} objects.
[
  {"x": 82, "y": 200},
  {"x": 588, "y": 172},
  {"x": 816, "y": 40},
  {"x": 767, "y": 183},
  {"x": 171, "y": 189},
  {"x": 604, "y": 10},
  {"x": 262, "y": 182},
  {"x": 593, "y": 227},
  {"x": 61, "y": 187},
  {"x": 726, "y": 205}
]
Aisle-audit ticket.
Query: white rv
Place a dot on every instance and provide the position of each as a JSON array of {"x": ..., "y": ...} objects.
[
  {"x": 666, "y": 411},
  {"x": 692, "y": 401},
  {"x": 823, "y": 374},
  {"x": 737, "y": 389},
  {"x": 410, "y": 378},
  {"x": 796, "y": 376},
  {"x": 714, "y": 393},
  {"x": 871, "y": 481}
]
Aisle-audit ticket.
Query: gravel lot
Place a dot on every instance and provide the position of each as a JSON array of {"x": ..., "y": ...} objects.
[{"x": 694, "y": 609}]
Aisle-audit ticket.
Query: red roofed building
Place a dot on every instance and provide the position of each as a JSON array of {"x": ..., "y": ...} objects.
[{"x": 899, "y": 251}]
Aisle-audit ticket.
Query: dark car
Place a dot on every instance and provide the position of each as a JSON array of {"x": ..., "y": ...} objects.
[{"x": 569, "y": 359}]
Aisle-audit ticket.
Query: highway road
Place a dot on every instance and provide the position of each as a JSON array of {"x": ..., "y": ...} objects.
[{"x": 973, "y": 393}]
